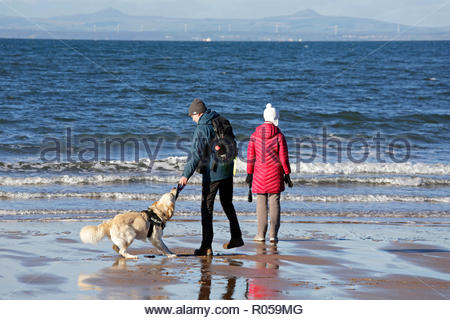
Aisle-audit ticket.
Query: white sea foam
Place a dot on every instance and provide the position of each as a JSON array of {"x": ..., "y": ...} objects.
[
  {"x": 349, "y": 168},
  {"x": 176, "y": 164},
  {"x": 394, "y": 181},
  {"x": 58, "y": 214},
  {"x": 365, "y": 198},
  {"x": 90, "y": 180},
  {"x": 285, "y": 197},
  {"x": 169, "y": 170},
  {"x": 143, "y": 165},
  {"x": 196, "y": 179}
]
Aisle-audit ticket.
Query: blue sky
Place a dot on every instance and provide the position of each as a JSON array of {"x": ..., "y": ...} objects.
[{"x": 410, "y": 12}]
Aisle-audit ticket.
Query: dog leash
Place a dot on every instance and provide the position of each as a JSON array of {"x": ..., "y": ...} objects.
[{"x": 179, "y": 188}]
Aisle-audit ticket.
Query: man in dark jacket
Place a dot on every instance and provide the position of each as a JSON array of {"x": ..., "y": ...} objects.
[{"x": 220, "y": 179}]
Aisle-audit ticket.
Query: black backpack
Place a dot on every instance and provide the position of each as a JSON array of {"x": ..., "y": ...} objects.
[{"x": 223, "y": 146}]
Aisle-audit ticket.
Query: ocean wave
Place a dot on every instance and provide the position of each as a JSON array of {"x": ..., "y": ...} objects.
[
  {"x": 153, "y": 197},
  {"x": 345, "y": 115},
  {"x": 176, "y": 164},
  {"x": 365, "y": 198},
  {"x": 146, "y": 90},
  {"x": 58, "y": 212},
  {"x": 394, "y": 181},
  {"x": 196, "y": 180},
  {"x": 79, "y": 215},
  {"x": 423, "y": 118},
  {"x": 9, "y": 121},
  {"x": 349, "y": 168},
  {"x": 90, "y": 180},
  {"x": 143, "y": 165}
]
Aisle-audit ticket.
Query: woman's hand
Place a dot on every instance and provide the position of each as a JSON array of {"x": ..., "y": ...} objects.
[
  {"x": 249, "y": 179},
  {"x": 288, "y": 181}
]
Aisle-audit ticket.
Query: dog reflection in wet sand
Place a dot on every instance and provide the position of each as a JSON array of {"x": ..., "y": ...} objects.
[{"x": 125, "y": 227}]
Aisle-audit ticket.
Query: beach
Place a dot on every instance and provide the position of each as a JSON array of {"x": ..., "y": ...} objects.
[
  {"x": 314, "y": 259},
  {"x": 89, "y": 129}
]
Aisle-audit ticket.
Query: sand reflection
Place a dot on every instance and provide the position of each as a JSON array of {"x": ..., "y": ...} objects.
[{"x": 263, "y": 284}]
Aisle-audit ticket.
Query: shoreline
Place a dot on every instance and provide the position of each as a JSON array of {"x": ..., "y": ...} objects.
[{"x": 46, "y": 260}]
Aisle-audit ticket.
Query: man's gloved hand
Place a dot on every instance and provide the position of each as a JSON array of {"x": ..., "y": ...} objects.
[
  {"x": 249, "y": 179},
  {"x": 288, "y": 181}
]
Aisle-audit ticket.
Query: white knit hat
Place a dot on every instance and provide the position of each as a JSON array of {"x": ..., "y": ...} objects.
[{"x": 271, "y": 114}]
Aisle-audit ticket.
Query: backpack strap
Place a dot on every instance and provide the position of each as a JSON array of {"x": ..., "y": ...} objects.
[{"x": 218, "y": 127}]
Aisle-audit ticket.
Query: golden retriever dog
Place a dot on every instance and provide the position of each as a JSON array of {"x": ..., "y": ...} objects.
[{"x": 125, "y": 227}]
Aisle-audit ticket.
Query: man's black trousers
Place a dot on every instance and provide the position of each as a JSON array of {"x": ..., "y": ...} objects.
[{"x": 209, "y": 191}]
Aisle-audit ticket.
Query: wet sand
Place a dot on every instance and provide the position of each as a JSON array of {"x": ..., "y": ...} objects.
[{"x": 312, "y": 260}]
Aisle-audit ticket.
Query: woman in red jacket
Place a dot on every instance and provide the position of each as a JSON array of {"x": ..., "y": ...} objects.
[{"x": 268, "y": 169}]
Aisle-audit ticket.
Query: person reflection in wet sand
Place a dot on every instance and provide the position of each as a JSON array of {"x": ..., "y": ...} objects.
[
  {"x": 205, "y": 280},
  {"x": 261, "y": 287},
  {"x": 231, "y": 283},
  {"x": 261, "y": 249}
]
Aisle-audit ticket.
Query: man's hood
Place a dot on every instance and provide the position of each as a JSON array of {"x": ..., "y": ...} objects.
[{"x": 208, "y": 116}]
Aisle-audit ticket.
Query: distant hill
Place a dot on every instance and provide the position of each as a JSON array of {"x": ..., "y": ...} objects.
[{"x": 306, "y": 25}]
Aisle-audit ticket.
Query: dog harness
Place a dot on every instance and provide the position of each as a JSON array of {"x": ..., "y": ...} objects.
[{"x": 154, "y": 220}]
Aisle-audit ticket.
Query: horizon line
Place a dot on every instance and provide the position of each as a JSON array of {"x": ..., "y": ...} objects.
[{"x": 307, "y": 10}]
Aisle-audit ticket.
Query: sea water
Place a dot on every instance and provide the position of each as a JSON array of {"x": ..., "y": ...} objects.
[{"x": 92, "y": 128}]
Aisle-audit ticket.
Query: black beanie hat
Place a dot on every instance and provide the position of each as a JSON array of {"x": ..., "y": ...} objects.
[{"x": 197, "y": 106}]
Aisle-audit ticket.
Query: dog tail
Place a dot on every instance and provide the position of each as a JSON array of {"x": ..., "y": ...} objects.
[{"x": 93, "y": 234}]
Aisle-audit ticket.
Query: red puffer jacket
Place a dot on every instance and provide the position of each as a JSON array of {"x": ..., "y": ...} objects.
[{"x": 267, "y": 159}]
